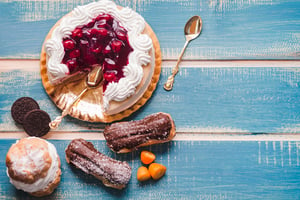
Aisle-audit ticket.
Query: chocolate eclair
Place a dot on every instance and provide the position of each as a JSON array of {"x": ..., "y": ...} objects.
[
  {"x": 111, "y": 172},
  {"x": 123, "y": 137}
]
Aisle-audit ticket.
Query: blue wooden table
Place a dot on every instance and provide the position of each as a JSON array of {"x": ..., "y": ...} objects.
[{"x": 235, "y": 102}]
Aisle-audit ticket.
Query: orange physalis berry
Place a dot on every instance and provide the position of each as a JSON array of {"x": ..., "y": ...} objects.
[
  {"x": 147, "y": 157},
  {"x": 143, "y": 174},
  {"x": 157, "y": 170}
]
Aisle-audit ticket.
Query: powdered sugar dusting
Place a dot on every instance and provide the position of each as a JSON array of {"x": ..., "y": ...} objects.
[{"x": 83, "y": 155}]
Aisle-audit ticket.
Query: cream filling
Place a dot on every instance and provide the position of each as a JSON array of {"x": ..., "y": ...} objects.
[
  {"x": 141, "y": 44},
  {"x": 42, "y": 183}
]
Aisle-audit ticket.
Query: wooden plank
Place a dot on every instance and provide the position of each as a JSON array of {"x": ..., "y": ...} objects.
[
  {"x": 215, "y": 99},
  {"x": 195, "y": 170},
  {"x": 180, "y": 136},
  {"x": 260, "y": 29}
]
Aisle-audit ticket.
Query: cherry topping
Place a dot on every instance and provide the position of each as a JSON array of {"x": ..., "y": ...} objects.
[
  {"x": 116, "y": 45},
  {"x": 109, "y": 76},
  {"x": 77, "y": 33},
  {"x": 121, "y": 35},
  {"x": 90, "y": 24},
  {"x": 75, "y": 53},
  {"x": 89, "y": 58},
  {"x": 68, "y": 44},
  {"x": 84, "y": 43},
  {"x": 102, "y": 31},
  {"x": 102, "y": 41},
  {"x": 72, "y": 65},
  {"x": 104, "y": 16},
  {"x": 111, "y": 34},
  {"x": 92, "y": 32},
  {"x": 102, "y": 23},
  {"x": 107, "y": 49},
  {"x": 109, "y": 64},
  {"x": 97, "y": 50}
]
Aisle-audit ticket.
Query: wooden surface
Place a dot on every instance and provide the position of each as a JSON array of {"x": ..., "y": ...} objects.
[
  {"x": 239, "y": 29},
  {"x": 235, "y": 101},
  {"x": 195, "y": 170}
]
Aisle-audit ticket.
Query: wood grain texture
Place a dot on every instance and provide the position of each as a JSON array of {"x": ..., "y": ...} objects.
[
  {"x": 256, "y": 29},
  {"x": 249, "y": 99},
  {"x": 212, "y": 94},
  {"x": 195, "y": 170}
]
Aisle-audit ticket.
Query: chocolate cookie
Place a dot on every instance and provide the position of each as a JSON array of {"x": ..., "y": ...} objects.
[
  {"x": 21, "y": 107},
  {"x": 36, "y": 123}
]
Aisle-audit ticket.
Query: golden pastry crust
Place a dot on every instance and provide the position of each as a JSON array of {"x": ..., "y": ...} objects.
[{"x": 62, "y": 94}]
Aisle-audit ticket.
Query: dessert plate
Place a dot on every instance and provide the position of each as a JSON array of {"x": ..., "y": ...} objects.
[{"x": 89, "y": 107}]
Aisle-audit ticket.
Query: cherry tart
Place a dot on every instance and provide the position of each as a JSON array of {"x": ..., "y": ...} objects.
[{"x": 114, "y": 37}]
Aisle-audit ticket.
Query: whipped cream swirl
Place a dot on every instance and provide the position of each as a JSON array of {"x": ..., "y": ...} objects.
[{"x": 130, "y": 20}]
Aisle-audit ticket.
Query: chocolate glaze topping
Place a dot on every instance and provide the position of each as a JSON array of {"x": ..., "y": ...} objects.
[
  {"x": 131, "y": 134},
  {"x": 84, "y": 156}
]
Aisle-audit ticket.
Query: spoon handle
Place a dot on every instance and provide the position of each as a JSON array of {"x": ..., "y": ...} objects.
[
  {"x": 169, "y": 83},
  {"x": 55, "y": 123}
]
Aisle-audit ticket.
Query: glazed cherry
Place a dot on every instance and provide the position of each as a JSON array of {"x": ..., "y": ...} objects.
[
  {"x": 121, "y": 33},
  {"x": 101, "y": 41},
  {"x": 109, "y": 76},
  {"x": 107, "y": 49},
  {"x": 97, "y": 50},
  {"x": 68, "y": 44},
  {"x": 109, "y": 64},
  {"x": 75, "y": 53},
  {"x": 72, "y": 65},
  {"x": 102, "y": 32},
  {"x": 102, "y": 23},
  {"x": 116, "y": 45},
  {"x": 90, "y": 24},
  {"x": 92, "y": 32},
  {"x": 77, "y": 33}
]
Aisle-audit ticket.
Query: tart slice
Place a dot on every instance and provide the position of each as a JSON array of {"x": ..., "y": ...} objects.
[{"x": 101, "y": 33}]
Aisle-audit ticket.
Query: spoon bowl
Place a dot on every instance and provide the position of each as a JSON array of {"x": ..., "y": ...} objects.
[{"x": 192, "y": 30}]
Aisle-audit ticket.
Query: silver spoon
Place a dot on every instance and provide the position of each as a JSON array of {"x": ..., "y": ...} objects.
[
  {"x": 94, "y": 78},
  {"x": 192, "y": 30}
]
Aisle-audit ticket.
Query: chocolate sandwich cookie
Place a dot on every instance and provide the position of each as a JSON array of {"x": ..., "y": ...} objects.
[
  {"x": 21, "y": 107},
  {"x": 36, "y": 123}
]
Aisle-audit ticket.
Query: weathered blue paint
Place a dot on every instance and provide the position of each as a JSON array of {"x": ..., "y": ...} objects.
[
  {"x": 226, "y": 100},
  {"x": 256, "y": 100},
  {"x": 261, "y": 29},
  {"x": 195, "y": 170}
]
